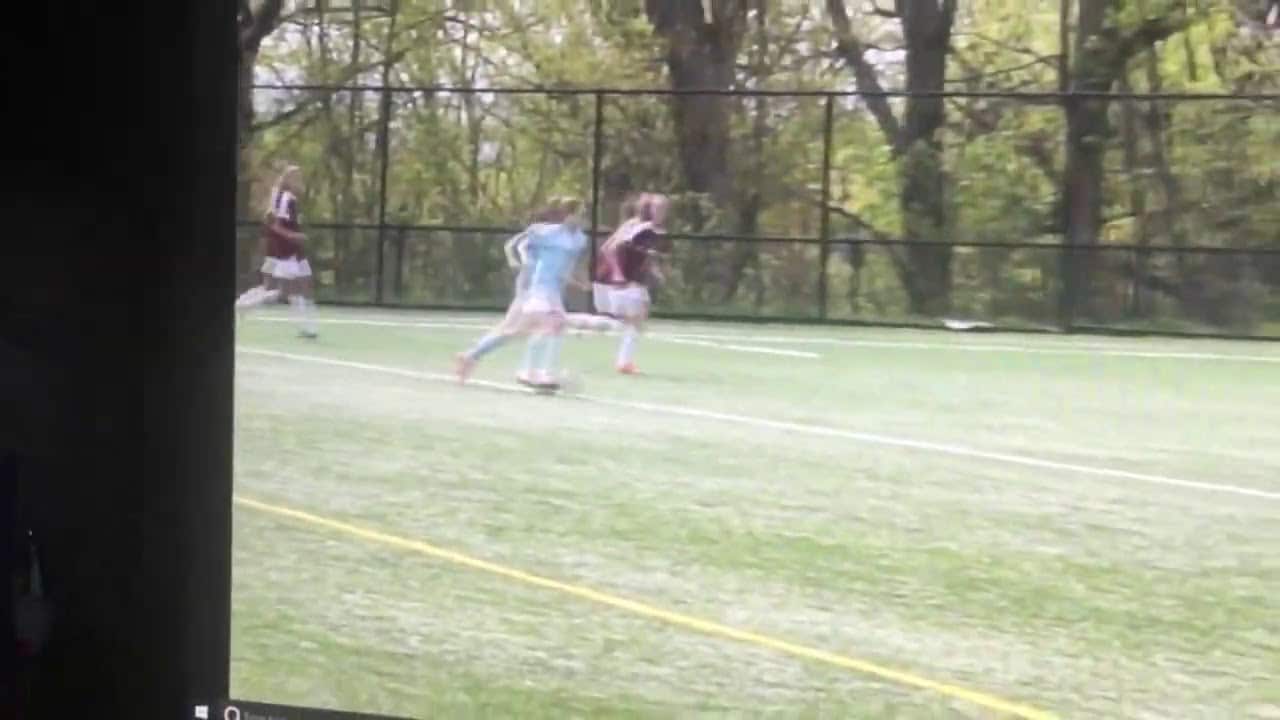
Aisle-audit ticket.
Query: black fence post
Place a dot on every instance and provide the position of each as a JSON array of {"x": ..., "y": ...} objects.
[
  {"x": 384, "y": 128},
  {"x": 824, "y": 219},
  {"x": 597, "y": 159}
]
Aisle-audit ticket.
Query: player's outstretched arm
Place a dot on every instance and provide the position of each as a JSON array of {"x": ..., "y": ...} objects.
[{"x": 516, "y": 249}]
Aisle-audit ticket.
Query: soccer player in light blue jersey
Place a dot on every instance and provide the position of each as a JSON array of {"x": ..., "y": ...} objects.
[
  {"x": 553, "y": 252},
  {"x": 519, "y": 258}
]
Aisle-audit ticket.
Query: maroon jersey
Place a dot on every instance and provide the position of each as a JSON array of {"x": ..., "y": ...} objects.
[
  {"x": 284, "y": 211},
  {"x": 634, "y": 257}
]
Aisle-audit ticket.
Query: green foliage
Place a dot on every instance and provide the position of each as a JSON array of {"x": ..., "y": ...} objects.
[{"x": 1201, "y": 172}]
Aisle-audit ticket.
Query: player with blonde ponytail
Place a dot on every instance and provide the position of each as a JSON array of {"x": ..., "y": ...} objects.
[{"x": 285, "y": 259}]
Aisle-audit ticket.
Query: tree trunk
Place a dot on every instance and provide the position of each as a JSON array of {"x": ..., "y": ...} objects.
[
  {"x": 245, "y": 211},
  {"x": 255, "y": 24},
  {"x": 926, "y": 25},
  {"x": 700, "y": 55},
  {"x": 747, "y": 254},
  {"x": 1102, "y": 54},
  {"x": 344, "y": 239},
  {"x": 382, "y": 144},
  {"x": 924, "y": 266},
  {"x": 1137, "y": 196},
  {"x": 1087, "y": 131}
]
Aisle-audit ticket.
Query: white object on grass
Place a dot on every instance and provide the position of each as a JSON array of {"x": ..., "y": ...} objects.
[{"x": 951, "y": 324}]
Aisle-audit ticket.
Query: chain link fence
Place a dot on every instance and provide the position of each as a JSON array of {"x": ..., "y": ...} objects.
[{"x": 794, "y": 207}]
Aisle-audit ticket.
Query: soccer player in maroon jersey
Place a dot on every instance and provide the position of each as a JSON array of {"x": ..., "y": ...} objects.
[
  {"x": 267, "y": 290},
  {"x": 627, "y": 265},
  {"x": 286, "y": 247}
]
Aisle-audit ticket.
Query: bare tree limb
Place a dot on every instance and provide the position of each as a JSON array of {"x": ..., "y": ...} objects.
[
  {"x": 1150, "y": 32},
  {"x": 260, "y": 24},
  {"x": 306, "y": 104},
  {"x": 853, "y": 52},
  {"x": 1047, "y": 60},
  {"x": 1003, "y": 45},
  {"x": 884, "y": 12}
]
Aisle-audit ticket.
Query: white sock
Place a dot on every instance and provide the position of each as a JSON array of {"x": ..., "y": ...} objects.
[
  {"x": 627, "y": 348},
  {"x": 303, "y": 309},
  {"x": 249, "y": 298},
  {"x": 253, "y": 297}
]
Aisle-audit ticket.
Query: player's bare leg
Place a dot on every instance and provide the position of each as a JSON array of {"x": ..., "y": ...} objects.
[
  {"x": 593, "y": 323},
  {"x": 259, "y": 295},
  {"x": 510, "y": 326}
]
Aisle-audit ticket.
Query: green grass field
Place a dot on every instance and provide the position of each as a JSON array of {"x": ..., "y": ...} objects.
[{"x": 1086, "y": 527}]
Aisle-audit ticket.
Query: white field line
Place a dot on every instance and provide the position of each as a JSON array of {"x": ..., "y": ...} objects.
[
  {"x": 1086, "y": 350},
  {"x": 656, "y": 336},
  {"x": 804, "y": 428},
  {"x": 737, "y": 348}
]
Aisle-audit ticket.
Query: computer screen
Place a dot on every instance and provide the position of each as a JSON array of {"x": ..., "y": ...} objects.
[{"x": 677, "y": 359}]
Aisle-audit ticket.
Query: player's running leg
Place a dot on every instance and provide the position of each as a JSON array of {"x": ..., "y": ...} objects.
[
  {"x": 510, "y": 326},
  {"x": 502, "y": 333},
  {"x": 634, "y": 301},
  {"x": 593, "y": 323},
  {"x": 263, "y": 293},
  {"x": 301, "y": 299},
  {"x": 540, "y": 367}
]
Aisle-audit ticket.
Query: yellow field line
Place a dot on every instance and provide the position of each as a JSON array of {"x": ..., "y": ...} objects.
[{"x": 707, "y": 627}]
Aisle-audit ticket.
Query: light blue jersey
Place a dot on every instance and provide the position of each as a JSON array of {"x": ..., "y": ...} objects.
[{"x": 553, "y": 250}]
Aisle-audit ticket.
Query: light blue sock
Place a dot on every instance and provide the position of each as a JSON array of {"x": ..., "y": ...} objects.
[
  {"x": 542, "y": 355},
  {"x": 551, "y": 355},
  {"x": 532, "y": 352},
  {"x": 486, "y": 345}
]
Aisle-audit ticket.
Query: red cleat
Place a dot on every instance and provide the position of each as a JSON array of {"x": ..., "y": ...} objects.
[{"x": 627, "y": 369}]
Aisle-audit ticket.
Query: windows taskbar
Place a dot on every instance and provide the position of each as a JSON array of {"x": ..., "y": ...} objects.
[{"x": 246, "y": 710}]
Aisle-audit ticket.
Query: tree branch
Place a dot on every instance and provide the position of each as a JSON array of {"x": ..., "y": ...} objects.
[
  {"x": 1047, "y": 60},
  {"x": 852, "y": 51},
  {"x": 1150, "y": 32},
  {"x": 1010, "y": 47},
  {"x": 883, "y": 12},
  {"x": 875, "y": 234},
  {"x": 307, "y": 103},
  {"x": 260, "y": 24}
]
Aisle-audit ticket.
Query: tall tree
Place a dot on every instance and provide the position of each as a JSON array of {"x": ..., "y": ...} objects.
[
  {"x": 702, "y": 43},
  {"x": 257, "y": 21},
  {"x": 925, "y": 266},
  {"x": 1103, "y": 48}
]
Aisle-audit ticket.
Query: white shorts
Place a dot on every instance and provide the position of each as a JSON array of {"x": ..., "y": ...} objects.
[
  {"x": 268, "y": 266},
  {"x": 625, "y": 301},
  {"x": 540, "y": 302},
  {"x": 291, "y": 269}
]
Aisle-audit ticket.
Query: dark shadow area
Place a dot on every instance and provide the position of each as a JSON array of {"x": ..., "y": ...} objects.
[{"x": 116, "y": 331}]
